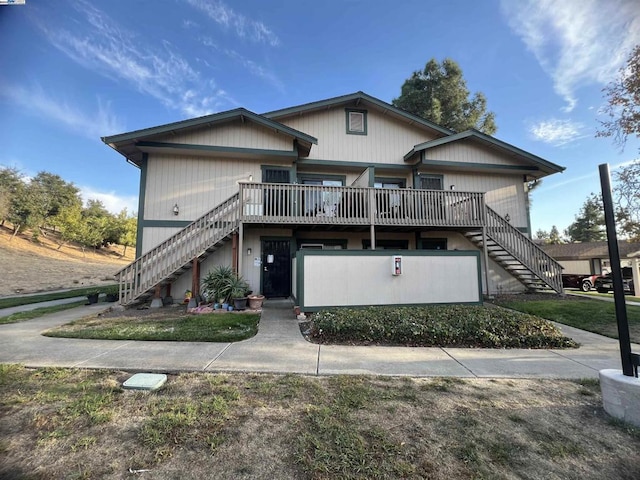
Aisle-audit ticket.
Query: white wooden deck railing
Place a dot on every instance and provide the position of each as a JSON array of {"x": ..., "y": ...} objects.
[
  {"x": 326, "y": 205},
  {"x": 522, "y": 248},
  {"x": 178, "y": 250}
]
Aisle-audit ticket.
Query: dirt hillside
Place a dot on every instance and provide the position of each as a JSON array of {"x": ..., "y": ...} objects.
[{"x": 27, "y": 266}]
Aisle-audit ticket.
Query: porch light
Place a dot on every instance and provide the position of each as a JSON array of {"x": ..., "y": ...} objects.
[
  {"x": 176, "y": 209},
  {"x": 248, "y": 252},
  {"x": 452, "y": 187},
  {"x": 507, "y": 217},
  {"x": 251, "y": 178}
]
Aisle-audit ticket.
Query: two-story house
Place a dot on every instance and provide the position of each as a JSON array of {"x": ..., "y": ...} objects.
[{"x": 344, "y": 201}]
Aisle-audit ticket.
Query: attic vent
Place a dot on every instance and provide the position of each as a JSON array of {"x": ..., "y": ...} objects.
[{"x": 357, "y": 122}]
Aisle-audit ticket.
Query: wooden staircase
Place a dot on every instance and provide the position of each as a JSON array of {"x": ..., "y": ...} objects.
[
  {"x": 167, "y": 261},
  {"x": 518, "y": 255}
]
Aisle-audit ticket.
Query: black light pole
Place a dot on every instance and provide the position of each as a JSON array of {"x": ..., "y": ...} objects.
[{"x": 616, "y": 272}]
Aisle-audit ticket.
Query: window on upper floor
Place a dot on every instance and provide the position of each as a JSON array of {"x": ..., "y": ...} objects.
[{"x": 356, "y": 122}]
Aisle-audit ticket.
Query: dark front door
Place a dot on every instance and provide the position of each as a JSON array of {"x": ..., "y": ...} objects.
[{"x": 276, "y": 268}]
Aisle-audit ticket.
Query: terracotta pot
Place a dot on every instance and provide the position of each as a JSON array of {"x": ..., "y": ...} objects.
[{"x": 255, "y": 301}]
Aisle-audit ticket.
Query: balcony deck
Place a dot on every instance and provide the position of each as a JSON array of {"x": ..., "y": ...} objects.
[{"x": 271, "y": 203}]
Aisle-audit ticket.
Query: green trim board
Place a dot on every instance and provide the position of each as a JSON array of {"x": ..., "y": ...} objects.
[
  {"x": 356, "y": 99},
  {"x": 166, "y": 223},
  {"x": 218, "y": 149},
  {"x": 301, "y": 254},
  {"x": 478, "y": 166},
  {"x": 210, "y": 120},
  {"x": 348, "y": 112},
  {"x": 472, "y": 134},
  {"x": 141, "y": 200},
  {"x": 351, "y": 164}
]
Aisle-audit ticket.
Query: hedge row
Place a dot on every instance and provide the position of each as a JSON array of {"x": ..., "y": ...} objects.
[{"x": 437, "y": 326}]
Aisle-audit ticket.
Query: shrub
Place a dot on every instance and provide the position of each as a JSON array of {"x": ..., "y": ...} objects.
[{"x": 437, "y": 326}]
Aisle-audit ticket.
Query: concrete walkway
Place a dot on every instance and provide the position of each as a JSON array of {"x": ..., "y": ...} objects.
[{"x": 280, "y": 348}]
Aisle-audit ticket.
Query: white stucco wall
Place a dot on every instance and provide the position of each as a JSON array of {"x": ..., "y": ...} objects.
[{"x": 347, "y": 278}]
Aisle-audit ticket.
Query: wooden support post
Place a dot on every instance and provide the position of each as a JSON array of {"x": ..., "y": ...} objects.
[
  {"x": 234, "y": 252},
  {"x": 195, "y": 277},
  {"x": 486, "y": 258},
  {"x": 157, "y": 297},
  {"x": 372, "y": 217},
  {"x": 240, "y": 253}
]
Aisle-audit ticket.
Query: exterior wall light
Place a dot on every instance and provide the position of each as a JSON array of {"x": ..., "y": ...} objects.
[
  {"x": 452, "y": 187},
  {"x": 507, "y": 217},
  {"x": 176, "y": 209},
  {"x": 248, "y": 252}
]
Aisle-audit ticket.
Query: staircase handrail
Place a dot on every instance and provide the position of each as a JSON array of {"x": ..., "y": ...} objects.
[
  {"x": 521, "y": 247},
  {"x": 179, "y": 249}
]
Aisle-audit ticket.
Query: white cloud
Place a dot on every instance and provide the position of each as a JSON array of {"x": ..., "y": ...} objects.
[
  {"x": 111, "y": 200},
  {"x": 594, "y": 173},
  {"x": 557, "y": 132},
  {"x": 576, "y": 42},
  {"x": 243, "y": 27},
  {"x": 101, "y": 45},
  {"x": 92, "y": 124}
]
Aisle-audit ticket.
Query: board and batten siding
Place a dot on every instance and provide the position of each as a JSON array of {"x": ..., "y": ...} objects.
[
  {"x": 503, "y": 193},
  {"x": 153, "y": 236},
  {"x": 235, "y": 134},
  {"x": 387, "y": 140},
  {"x": 195, "y": 184},
  {"x": 470, "y": 152}
]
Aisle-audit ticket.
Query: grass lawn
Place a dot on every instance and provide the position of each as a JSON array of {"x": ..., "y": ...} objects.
[
  {"x": 179, "y": 327},
  {"x": 72, "y": 423},
  {"x": 591, "y": 315},
  {"x": 45, "y": 297},
  {"x": 38, "y": 312}
]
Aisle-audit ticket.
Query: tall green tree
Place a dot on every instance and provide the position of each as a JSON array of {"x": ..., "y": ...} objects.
[
  {"x": 69, "y": 224},
  {"x": 55, "y": 193},
  {"x": 439, "y": 94},
  {"x": 627, "y": 192},
  {"x": 589, "y": 223},
  {"x": 10, "y": 181},
  {"x": 623, "y": 102}
]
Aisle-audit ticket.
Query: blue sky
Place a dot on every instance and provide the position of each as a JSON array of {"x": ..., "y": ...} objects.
[{"x": 72, "y": 71}]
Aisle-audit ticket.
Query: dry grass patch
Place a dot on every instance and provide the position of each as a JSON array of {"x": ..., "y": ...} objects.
[{"x": 60, "y": 423}]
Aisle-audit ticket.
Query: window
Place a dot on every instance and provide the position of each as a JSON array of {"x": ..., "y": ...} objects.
[
  {"x": 356, "y": 122},
  {"x": 433, "y": 243},
  {"x": 431, "y": 182},
  {"x": 386, "y": 244},
  {"x": 329, "y": 244},
  {"x": 321, "y": 202},
  {"x": 389, "y": 202}
]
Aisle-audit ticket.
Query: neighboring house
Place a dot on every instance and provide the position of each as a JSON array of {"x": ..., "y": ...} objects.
[
  {"x": 317, "y": 201},
  {"x": 593, "y": 257}
]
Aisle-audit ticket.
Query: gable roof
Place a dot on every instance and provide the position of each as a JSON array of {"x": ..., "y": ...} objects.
[
  {"x": 544, "y": 167},
  {"x": 125, "y": 143},
  {"x": 356, "y": 99},
  {"x": 587, "y": 250}
]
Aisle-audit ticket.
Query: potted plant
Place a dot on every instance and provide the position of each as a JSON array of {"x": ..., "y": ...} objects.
[
  {"x": 255, "y": 301},
  {"x": 216, "y": 283},
  {"x": 238, "y": 290},
  {"x": 92, "y": 297},
  {"x": 113, "y": 293}
]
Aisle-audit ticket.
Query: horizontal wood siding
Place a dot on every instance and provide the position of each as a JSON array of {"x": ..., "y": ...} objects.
[
  {"x": 235, "y": 134},
  {"x": 576, "y": 267},
  {"x": 471, "y": 152},
  {"x": 387, "y": 140},
  {"x": 196, "y": 184}
]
